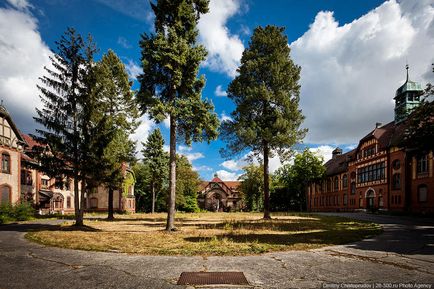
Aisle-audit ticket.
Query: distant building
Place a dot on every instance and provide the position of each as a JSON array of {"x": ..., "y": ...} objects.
[
  {"x": 381, "y": 173},
  {"x": 220, "y": 196},
  {"x": 20, "y": 181}
]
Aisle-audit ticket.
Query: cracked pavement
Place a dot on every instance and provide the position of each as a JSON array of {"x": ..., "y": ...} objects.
[{"x": 403, "y": 253}]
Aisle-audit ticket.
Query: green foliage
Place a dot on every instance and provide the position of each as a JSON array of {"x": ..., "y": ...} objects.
[
  {"x": 170, "y": 59},
  {"x": 156, "y": 159},
  {"x": 252, "y": 187},
  {"x": 18, "y": 212},
  {"x": 169, "y": 86},
  {"x": 188, "y": 182},
  {"x": 74, "y": 130},
  {"x": 267, "y": 118},
  {"x": 292, "y": 180},
  {"x": 266, "y": 93}
]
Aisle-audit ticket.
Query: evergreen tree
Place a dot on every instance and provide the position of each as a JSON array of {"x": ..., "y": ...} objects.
[
  {"x": 120, "y": 110},
  {"x": 266, "y": 92},
  {"x": 156, "y": 159},
  {"x": 169, "y": 86},
  {"x": 74, "y": 133}
]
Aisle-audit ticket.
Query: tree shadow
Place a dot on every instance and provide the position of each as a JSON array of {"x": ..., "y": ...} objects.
[{"x": 37, "y": 227}]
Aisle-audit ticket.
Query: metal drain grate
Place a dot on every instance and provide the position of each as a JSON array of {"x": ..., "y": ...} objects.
[{"x": 212, "y": 278}]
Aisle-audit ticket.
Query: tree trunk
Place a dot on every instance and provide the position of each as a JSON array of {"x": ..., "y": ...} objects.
[
  {"x": 78, "y": 220},
  {"x": 110, "y": 204},
  {"x": 153, "y": 198},
  {"x": 266, "y": 183},
  {"x": 82, "y": 202},
  {"x": 170, "y": 226}
]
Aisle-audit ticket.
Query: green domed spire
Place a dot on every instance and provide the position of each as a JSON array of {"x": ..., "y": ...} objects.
[{"x": 407, "y": 97}]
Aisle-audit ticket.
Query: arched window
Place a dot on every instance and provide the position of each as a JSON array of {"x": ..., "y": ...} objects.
[
  {"x": 6, "y": 163},
  {"x": 353, "y": 188},
  {"x": 336, "y": 184},
  {"x": 396, "y": 181},
  {"x": 396, "y": 164},
  {"x": 68, "y": 202},
  {"x": 422, "y": 164},
  {"x": 345, "y": 181},
  {"x": 422, "y": 193},
  {"x": 5, "y": 197}
]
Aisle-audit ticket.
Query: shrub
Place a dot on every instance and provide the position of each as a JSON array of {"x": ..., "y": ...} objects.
[{"x": 18, "y": 212}]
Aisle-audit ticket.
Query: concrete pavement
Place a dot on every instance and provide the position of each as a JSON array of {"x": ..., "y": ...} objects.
[{"x": 404, "y": 253}]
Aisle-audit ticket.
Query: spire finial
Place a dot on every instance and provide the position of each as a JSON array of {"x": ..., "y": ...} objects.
[{"x": 407, "y": 67}]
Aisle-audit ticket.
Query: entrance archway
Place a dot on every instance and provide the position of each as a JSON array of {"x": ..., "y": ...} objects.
[{"x": 370, "y": 196}]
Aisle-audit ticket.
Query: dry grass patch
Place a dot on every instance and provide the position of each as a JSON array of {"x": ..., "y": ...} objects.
[{"x": 207, "y": 234}]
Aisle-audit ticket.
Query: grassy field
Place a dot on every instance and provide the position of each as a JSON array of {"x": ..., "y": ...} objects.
[{"x": 206, "y": 234}]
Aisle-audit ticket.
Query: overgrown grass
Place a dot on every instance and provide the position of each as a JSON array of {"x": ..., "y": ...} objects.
[
  {"x": 18, "y": 212},
  {"x": 208, "y": 234}
]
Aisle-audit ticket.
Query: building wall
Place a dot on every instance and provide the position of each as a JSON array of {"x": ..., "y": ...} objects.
[{"x": 12, "y": 179}]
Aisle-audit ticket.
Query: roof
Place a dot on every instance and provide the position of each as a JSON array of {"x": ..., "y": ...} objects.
[
  {"x": 388, "y": 135},
  {"x": 30, "y": 142},
  {"x": 232, "y": 185},
  {"x": 339, "y": 163},
  {"x": 4, "y": 113},
  {"x": 408, "y": 86}
]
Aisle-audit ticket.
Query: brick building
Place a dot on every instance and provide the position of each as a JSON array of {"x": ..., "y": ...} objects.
[
  {"x": 380, "y": 173},
  {"x": 20, "y": 181},
  {"x": 220, "y": 196}
]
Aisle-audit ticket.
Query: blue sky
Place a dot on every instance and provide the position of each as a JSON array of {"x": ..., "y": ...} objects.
[{"x": 352, "y": 55}]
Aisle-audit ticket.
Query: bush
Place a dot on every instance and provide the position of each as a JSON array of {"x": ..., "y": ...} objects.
[{"x": 18, "y": 212}]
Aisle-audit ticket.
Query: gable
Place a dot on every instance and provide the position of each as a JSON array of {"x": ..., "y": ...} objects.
[{"x": 9, "y": 134}]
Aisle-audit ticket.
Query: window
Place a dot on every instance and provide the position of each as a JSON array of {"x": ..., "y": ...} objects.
[
  {"x": 369, "y": 152},
  {"x": 5, "y": 197},
  {"x": 422, "y": 164},
  {"x": 345, "y": 181},
  {"x": 371, "y": 173},
  {"x": 396, "y": 164},
  {"x": 6, "y": 163},
  {"x": 345, "y": 200},
  {"x": 26, "y": 178},
  {"x": 59, "y": 183},
  {"x": 380, "y": 201},
  {"x": 396, "y": 181},
  {"x": 336, "y": 184},
  {"x": 353, "y": 188},
  {"x": 329, "y": 185},
  {"x": 68, "y": 202},
  {"x": 45, "y": 183},
  {"x": 422, "y": 193},
  {"x": 93, "y": 203},
  {"x": 360, "y": 202}
]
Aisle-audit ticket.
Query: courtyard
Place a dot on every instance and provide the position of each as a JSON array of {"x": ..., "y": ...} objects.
[{"x": 403, "y": 253}]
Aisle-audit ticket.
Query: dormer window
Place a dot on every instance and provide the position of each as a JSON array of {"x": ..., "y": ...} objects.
[{"x": 369, "y": 152}]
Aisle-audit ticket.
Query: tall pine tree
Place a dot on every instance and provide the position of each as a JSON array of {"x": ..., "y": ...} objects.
[
  {"x": 74, "y": 132},
  {"x": 169, "y": 86},
  {"x": 267, "y": 118},
  {"x": 156, "y": 159},
  {"x": 120, "y": 109}
]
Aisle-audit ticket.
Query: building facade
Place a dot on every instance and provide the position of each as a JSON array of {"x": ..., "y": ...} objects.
[
  {"x": 220, "y": 196},
  {"x": 21, "y": 181},
  {"x": 380, "y": 173}
]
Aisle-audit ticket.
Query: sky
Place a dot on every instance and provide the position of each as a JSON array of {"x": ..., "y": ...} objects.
[{"x": 352, "y": 56}]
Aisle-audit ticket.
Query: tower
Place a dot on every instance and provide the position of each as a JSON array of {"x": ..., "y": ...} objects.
[{"x": 407, "y": 98}]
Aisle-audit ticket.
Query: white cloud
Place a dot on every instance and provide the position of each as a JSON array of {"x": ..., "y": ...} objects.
[
  {"x": 122, "y": 41},
  {"x": 224, "y": 49},
  {"x": 193, "y": 156},
  {"x": 142, "y": 132},
  {"x": 227, "y": 176},
  {"x": 324, "y": 151},
  {"x": 133, "y": 69},
  {"x": 202, "y": 169},
  {"x": 224, "y": 117},
  {"x": 220, "y": 92},
  {"x": 232, "y": 165},
  {"x": 23, "y": 56},
  {"x": 350, "y": 72},
  {"x": 182, "y": 148},
  {"x": 20, "y": 4},
  {"x": 166, "y": 122}
]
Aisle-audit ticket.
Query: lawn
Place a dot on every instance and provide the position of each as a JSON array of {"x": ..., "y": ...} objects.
[{"x": 206, "y": 234}]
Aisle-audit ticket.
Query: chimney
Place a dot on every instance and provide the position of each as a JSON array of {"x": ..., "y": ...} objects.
[
  {"x": 378, "y": 124},
  {"x": 336, "y": 152}
]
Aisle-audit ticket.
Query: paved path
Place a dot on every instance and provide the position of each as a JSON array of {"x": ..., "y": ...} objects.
[{"x": 404, "y": 253}]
